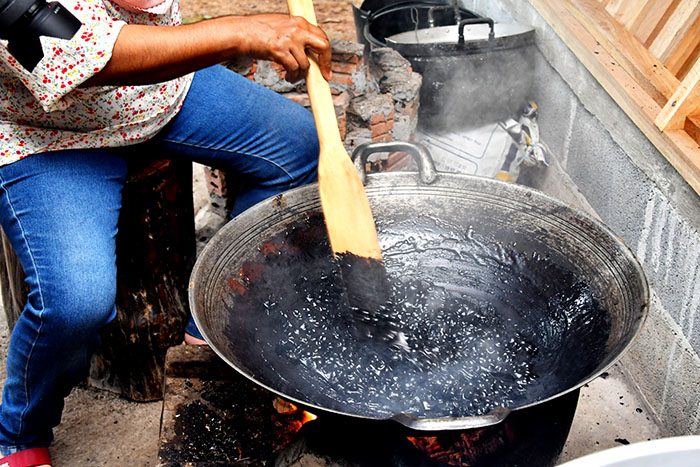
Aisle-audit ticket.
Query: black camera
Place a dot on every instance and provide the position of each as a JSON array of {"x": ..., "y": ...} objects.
[{"x": 23, "y": 21}]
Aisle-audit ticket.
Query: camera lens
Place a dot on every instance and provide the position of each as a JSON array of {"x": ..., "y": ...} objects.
[
  {"x": 11, "y": 14},
  {"x": 23, "y": 22}
]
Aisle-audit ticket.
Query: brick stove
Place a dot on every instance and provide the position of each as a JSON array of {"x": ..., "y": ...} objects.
[
  {"x": 376, "y": 99},
  {"x": 213, "y": 416}
]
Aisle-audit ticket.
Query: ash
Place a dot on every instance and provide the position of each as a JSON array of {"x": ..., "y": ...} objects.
[{"x": 485, "y": 324}]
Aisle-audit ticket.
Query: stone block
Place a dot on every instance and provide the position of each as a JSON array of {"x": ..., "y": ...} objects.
[
  {"x": 363, "y": 109},
  {"x": 404, "y": 127},
  {"x": 356, "y": 137},
  {"x": 270, "y": 75},
  {"x": 347, "y": 52},
  {"x": 385, "y": 59},
  {"x": 403, "y": 85}
]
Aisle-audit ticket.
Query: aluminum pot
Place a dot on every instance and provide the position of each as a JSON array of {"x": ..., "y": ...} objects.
[
  {"x": 391, "y": 17},
  {"x": 507, "y": 298},
  {"x": 473, "y": 72}
]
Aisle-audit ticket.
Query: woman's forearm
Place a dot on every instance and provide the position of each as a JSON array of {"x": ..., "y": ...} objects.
[{"x": 151, "y": 54}]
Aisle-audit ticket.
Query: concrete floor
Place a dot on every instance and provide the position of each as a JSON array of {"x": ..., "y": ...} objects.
[{"x": 100, "y": 428}]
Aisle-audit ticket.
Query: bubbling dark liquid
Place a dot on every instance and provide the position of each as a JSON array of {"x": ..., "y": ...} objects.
[{"x": 483, "y": 324}]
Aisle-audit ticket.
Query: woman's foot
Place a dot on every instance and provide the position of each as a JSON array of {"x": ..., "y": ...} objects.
[
  {"x": 35, "y": 457},
  {"x": 190, "y": 340}
]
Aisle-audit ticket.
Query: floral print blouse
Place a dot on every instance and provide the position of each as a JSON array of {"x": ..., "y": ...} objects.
[{"x": 46, "y": 110}]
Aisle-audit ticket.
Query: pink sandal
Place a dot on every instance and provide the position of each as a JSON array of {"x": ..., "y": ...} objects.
[{"x": 27, "y": 458}]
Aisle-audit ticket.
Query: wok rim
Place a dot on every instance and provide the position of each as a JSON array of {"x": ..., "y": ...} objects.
[{"x": 497, "y": 414}]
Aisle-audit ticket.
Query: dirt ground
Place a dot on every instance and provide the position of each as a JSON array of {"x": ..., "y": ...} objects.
[{"x": 333, "y": 16}]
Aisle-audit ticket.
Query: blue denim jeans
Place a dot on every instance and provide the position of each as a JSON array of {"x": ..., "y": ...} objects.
[{"x": 60, "y": 212}]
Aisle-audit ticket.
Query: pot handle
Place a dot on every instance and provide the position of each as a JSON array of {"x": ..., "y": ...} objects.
[
  {"x": 470, "y": 21},
  {"x": 431, "y": 14},
  {"x": 420, "y": 154},
  {"x": 494, "y": 417}
]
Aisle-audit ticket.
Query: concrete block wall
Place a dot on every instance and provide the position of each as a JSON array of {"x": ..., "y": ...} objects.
[{"x": 604, "y": 163}]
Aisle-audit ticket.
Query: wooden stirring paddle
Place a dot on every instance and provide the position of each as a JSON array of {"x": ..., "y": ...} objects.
[{"x": 349, "y": 221}]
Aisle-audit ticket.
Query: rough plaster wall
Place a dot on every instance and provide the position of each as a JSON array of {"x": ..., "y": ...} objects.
[{"x": 641, "y": 197}]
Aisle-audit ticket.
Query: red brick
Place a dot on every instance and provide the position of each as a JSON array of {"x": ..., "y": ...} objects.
[
  {"x": 347, "y": 68},
  {"x": 346, "y": 58},
  {"x": 300, "y": 98},
  {"x": 342, "y": 78},
  {"x": 381, "y": 128},
  {"x": 397, "y": 161},
  {"x": 377, "y": 118},
  {"x": 382, "y": 137},
  {"x": 342, "y": 125},
  {"x": 216, "y": 181}
]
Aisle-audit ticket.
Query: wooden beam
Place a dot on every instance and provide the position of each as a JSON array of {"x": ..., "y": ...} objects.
[
  {"x": 685, "y": 157},
  {"x": 675, "y": 29},
  {"x": 626, "y": 12},
  {"x": 678, "y": 148},
  {"x": 692, "y": 127},
  {"x": 683, "y": 102},
  {"x": 611, "y": 75},
  {"x": 650, "y": 74},
  {"x": 654, "y": 19},
  {"x": 685, "y": 54}
]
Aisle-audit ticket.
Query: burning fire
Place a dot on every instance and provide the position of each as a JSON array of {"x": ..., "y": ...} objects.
[{"x": 287, "y": 408}]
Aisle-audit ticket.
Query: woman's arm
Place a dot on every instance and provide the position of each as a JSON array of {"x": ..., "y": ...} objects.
[{"x": 152, "y": 54}]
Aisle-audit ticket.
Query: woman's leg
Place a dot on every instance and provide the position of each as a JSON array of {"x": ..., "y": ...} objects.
[
  {"x": 265, "y": 142},
  {"x": 60, "y": 212}
]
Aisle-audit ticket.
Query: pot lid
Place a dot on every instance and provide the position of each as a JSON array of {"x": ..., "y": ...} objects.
[{"x": 473, "y": 33}]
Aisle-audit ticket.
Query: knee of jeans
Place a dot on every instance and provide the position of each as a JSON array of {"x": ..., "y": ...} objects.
[
  {"x": 306, "y": 152},
  {"x": 76, "y": 304}
]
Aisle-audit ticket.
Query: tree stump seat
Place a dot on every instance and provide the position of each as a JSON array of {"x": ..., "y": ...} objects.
[{"x": 155, "y": 255}]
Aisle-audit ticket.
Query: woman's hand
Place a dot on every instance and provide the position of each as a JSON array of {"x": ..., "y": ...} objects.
[{"x": 286, "y": 39}]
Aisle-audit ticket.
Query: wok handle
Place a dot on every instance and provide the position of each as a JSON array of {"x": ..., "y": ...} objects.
[
  {"x": 494, "y": 417},
  {"x": 420, "y": 154},
  {"x": 469, "y": 21}
]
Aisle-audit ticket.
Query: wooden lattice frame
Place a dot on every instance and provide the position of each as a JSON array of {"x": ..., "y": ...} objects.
[{"x": 645, "y": 54}]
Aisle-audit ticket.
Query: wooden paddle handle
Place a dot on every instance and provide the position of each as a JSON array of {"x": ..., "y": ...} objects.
[
  {"x": 345, "y": 205},
  {"x": 318, "y": 88}
]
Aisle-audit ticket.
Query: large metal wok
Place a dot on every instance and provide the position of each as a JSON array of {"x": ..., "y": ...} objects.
[{"x": 505, "y": 298}]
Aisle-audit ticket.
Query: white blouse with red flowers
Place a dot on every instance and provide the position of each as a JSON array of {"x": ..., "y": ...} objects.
[{"x": 45, "y": 110}]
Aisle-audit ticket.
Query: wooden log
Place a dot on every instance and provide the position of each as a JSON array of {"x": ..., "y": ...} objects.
[
  {"x": 12, "y": 287},
  {"x": 155, "y": 255}
]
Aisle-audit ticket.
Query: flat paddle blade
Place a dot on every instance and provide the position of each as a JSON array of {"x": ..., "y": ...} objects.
[{"x": 345, "y": 205}]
